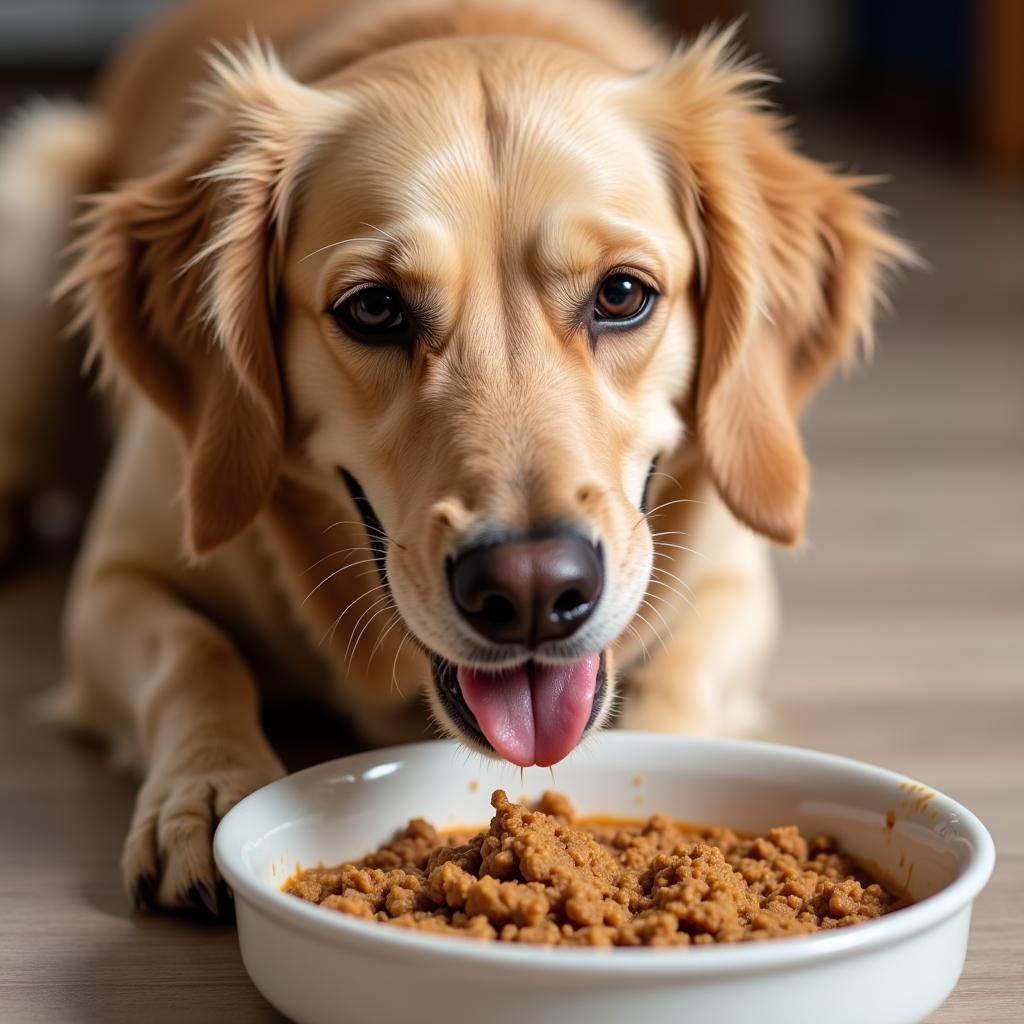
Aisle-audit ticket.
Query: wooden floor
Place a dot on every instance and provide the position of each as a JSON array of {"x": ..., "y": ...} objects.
[{"x": 903, "y": 642}]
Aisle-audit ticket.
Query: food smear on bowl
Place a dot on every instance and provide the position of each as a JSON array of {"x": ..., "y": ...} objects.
[{"x": 540, "y": 875}]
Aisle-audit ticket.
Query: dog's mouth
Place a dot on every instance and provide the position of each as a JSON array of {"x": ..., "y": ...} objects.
[{"x": 534, "y": 713}]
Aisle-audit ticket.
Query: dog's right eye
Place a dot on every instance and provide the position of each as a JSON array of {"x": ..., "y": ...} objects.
[{"x": 375, "y": 315}]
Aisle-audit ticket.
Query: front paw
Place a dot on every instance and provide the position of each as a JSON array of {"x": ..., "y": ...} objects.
[{"x": 168, "y": 854}]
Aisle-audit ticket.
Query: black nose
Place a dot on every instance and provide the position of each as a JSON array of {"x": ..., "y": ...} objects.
[{"x": 526, "y": 591}]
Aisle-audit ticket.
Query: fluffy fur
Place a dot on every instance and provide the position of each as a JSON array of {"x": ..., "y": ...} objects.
[{"x": 494, "y": 161}]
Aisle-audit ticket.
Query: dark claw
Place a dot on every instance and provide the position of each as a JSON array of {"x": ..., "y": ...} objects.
[
  {"x": 144, "y": 892},
  {"x": 201, "y": 897}
]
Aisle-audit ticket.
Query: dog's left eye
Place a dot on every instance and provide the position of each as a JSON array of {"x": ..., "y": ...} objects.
[
  {"x": 375, "y": 315},
  {"x": 622, "y": 297}
]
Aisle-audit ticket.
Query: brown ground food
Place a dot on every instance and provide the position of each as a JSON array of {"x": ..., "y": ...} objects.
[{"x": 540, "y": 876}]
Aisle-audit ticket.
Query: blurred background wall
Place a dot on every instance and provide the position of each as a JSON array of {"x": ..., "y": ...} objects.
[
  {"x": 56, "y": 34},
  {"x": 950, "y": 72},
  {"x": 945, "y": 72}
]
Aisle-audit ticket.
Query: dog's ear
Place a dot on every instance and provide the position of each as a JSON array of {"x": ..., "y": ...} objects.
[
  {"x": 175, "y": 274},
  {"x": 790, "y": 257}
]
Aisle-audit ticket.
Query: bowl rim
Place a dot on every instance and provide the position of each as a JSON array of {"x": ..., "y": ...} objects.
[{"x": 365, "y": 937}]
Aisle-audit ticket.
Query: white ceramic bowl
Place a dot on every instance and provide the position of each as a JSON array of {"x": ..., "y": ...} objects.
[{"x": 318, "y": 967}]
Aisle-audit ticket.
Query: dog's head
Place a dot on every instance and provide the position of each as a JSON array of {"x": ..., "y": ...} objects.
[{"x": 484, "y": 285}]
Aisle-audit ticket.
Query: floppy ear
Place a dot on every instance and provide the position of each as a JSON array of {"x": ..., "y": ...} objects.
[
  {"x": 791, "y": 257},
  {"x": 176, "y": 275}
]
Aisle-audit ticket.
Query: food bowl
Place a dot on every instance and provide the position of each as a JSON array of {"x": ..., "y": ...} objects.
[{"x": 319, "y": 966}]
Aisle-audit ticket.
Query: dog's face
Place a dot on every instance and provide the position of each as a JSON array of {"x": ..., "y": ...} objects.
[
  {"x": 502, "y": 280},
  {"x": 489, "y": 328}
]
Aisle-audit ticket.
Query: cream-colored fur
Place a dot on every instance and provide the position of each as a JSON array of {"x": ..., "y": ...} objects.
[{"x": 493, "y": 160}]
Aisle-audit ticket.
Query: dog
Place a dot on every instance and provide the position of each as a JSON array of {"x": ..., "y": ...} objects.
[{"x": 457, "y": 350}]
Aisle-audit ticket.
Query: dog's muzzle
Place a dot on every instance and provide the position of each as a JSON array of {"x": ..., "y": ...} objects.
[{"x": 518, "y": 592}]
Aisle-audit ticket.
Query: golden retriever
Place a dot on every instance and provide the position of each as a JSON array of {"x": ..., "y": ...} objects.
[{"x": 461, "y": 345}]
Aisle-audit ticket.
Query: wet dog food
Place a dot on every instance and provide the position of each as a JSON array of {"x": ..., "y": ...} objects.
[{"x": 538, "y": 875}]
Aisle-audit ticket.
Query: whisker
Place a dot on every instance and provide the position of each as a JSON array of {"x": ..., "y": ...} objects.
[
  {"x": 357, "y": 522},
  {"x": 644, "y": 653},
  {"x": 372, "y": 571},
  {"x": 373, "y": 532},
  {"x": 661, "y": 597},
  {"x": 394, "y": 665},
  {"x": 668, "y": 604},
  {"x": 356, "y": 600},
  {"x": 392, "y": 622},
  {"x": 667, "y": 476},
  {"x": 686, "y": 586},
  {"x": 681, "y": 547},
  {"x": 373, "y": 227},
  {"x": 366, "y": 611},
  {"x": 643, "y": 618},
  {"x": 334, "y": 245},
  {"x": 343, "y": 551},
  {"x": 682, "y": 597},
  {"x": 669, "y": 587},
  {"x": 330, "y": 576},
  {"x": 348, "y": 664},
  {"x": 333, "y": 628},
  {"x": 674, "y": 501},
  {"x": 656, "y": 513},
  {"x": 661, "y": 636},
  {"x": 647, "y": 623},
  {"x": 640, "y": 640}
]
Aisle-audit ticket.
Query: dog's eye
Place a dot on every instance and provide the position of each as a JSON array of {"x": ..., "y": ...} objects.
[
  {"x": 621, "y": 297},
  {"x": 375, "y": 315}
]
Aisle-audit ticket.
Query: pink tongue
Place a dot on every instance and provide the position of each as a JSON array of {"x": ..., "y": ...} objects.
[{"x": 532, "y": 714}]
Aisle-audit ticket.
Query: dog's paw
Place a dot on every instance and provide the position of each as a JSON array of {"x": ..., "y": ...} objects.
[{"x": 168, "y": 854}]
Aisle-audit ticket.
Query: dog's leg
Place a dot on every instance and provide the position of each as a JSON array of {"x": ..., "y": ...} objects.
[
  {"x": 48, "y": 154},
  {"x": 147, "y": 666},
  {"x": 703, "y": 679}
]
